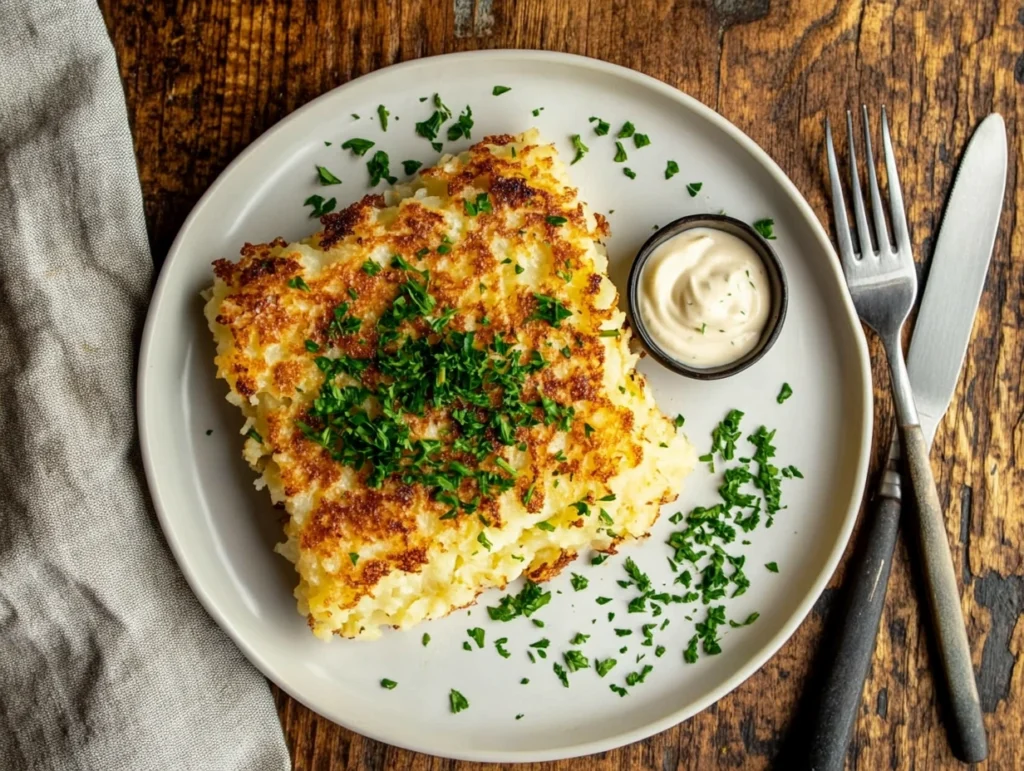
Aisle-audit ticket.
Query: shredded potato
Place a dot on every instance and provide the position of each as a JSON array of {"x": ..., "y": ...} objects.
[{"x": 371, "y": 556}]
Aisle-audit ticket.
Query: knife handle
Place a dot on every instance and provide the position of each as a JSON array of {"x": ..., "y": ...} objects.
[
  {"x": 866, "y": 584},
  {"x": 947, "y": 619}
]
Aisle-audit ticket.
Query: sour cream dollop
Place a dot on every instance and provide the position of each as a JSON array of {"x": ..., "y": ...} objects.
[{"x": 705, "y": 297}]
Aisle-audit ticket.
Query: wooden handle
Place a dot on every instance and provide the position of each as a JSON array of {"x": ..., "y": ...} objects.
[
  {"x": 855, "y": 644},
  {"x": 944, "y": 602}
]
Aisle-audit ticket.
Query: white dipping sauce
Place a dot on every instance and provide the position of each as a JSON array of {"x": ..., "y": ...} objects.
[{"x": 705, "y": 297}]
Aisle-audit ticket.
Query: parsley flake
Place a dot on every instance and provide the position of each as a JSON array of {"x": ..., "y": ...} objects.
[
  {"x": 357, "y": 146},
  {"x": 765, "y": 229},
  {"x": 457, "y": 702}
]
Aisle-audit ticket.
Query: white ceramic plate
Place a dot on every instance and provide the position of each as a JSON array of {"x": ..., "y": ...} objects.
[{"x": 222, "y": 530}]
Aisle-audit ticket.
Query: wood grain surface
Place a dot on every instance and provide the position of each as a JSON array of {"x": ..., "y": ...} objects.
[{"x": 203, "y": 79}]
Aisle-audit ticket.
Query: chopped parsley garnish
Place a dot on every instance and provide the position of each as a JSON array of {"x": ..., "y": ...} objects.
[
  {"x": 725, "y": 435},
  {"x": 784, "y": 393},
  {"x": 499, "y": 90},
  {"x": 474, "y": 376},
  {"x": 690, "y": 654},
  {"x": 642, "y": 581},
  {"x": 638, "y": 604},
  {"x": 629, "y": 173},
  {"x": 641, "y": 140},
  {"x": 560, "y": 671},
  {"x": 378, "y": 166},
  {"x": 671, "y": 169},
  {"x": 772, "y": 567},
  {"x": 457, "y": 701},
  {"x": 609, "y": 333},
  {"x": 750, "y": 620},
  {"x": 620, "y": 153},
  {"x": 519, "y": 716},
  {"x": 580, "y": 148},
  {"x": 575, "y": 660},
  {"x": 389, "y": 684},
  {"x": 482, "y": 539},
  {"x": 519, "y": 269},
  {"x": 623, "y": 632},
  {"x": 602, "y": 126},
  {"x": 411, "y": 167},
  {"x": 462, "y": 125},
  {"x": 298, "y": 283},
  {"x": 481, "y": 205},
  {"x": 766, "y": 229},
  {"x": 466, "y": 646},
  {"x": 550, "y": 310},
  {"x": 371, "y": 268},
  {"x": 343, "y": 323},
  {"x": 525, "y": 681},
  {"x": 597, "y": 559},
  {"x": 603, "y": 600},
  {"x": 357, "y": 146},
  {"x": 383, "y": 114},
  {"x": 326, "y": 178},
  {"x": 253, "y": 434},
  {"x": 556, "y": 221},
  {"x": 767, "y": 477},
  {"x": 579, "y": 639},
  {"x": 546, "y": 526},
  {"x": 429, "y": 128},
  {"x": 437, "y": 146},
  {"x": 618, "y": 689},
  {"x": 626, "y": 131},
  {"x": 354, "y": 557},
  {"x": 660, "y": 650},
  {"x": 604, "y": 666},
  {"x": 499, "y": 645},
  {"x": 425, "y": 640},
  {"x": 634, "y": 678},
  {"x": 320, "y": 206},
  {"x": 531, "y": 599},
  {"x": 693, "y": 188},
  {"x": 579, "y": 583},
  {"x": 678, "y": 421}
]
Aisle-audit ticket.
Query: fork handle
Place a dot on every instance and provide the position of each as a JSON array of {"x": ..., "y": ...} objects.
[{"x": 944, "y": 600}]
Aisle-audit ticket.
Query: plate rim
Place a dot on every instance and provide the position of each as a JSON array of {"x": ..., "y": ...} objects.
[{"x": 754, "y": 663}]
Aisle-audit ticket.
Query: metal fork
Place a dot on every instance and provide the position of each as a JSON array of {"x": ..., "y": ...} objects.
[{"x": 883, "y": 286}]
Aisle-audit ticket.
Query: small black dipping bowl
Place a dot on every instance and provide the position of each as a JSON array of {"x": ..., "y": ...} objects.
[{"x": 772, "y": 266}]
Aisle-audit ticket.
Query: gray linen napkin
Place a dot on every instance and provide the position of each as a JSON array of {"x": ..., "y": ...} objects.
[{"x": 107, "y": 661}]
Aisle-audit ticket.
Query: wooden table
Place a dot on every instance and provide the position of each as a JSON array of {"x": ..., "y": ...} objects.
[{"x": 203, "y": 79}]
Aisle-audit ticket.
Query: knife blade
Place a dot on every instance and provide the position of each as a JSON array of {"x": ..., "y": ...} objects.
[
  {"x": 957, "y": 276},
  {"x": 938, "y": 346}
]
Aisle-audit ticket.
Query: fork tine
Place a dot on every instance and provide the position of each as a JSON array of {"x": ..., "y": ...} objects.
[
  {"x": 900, "y": 231},
  {"x": 877, "y": 215},
  {"x": 858, "y": 197},
  {"x": 838, "y": 204}
]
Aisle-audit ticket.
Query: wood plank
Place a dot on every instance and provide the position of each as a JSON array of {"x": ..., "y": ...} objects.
[{"x": 204, "y": 78}]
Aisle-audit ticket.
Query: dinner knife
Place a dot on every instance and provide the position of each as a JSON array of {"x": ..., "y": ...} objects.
[{"x": 943, "y": 330}]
